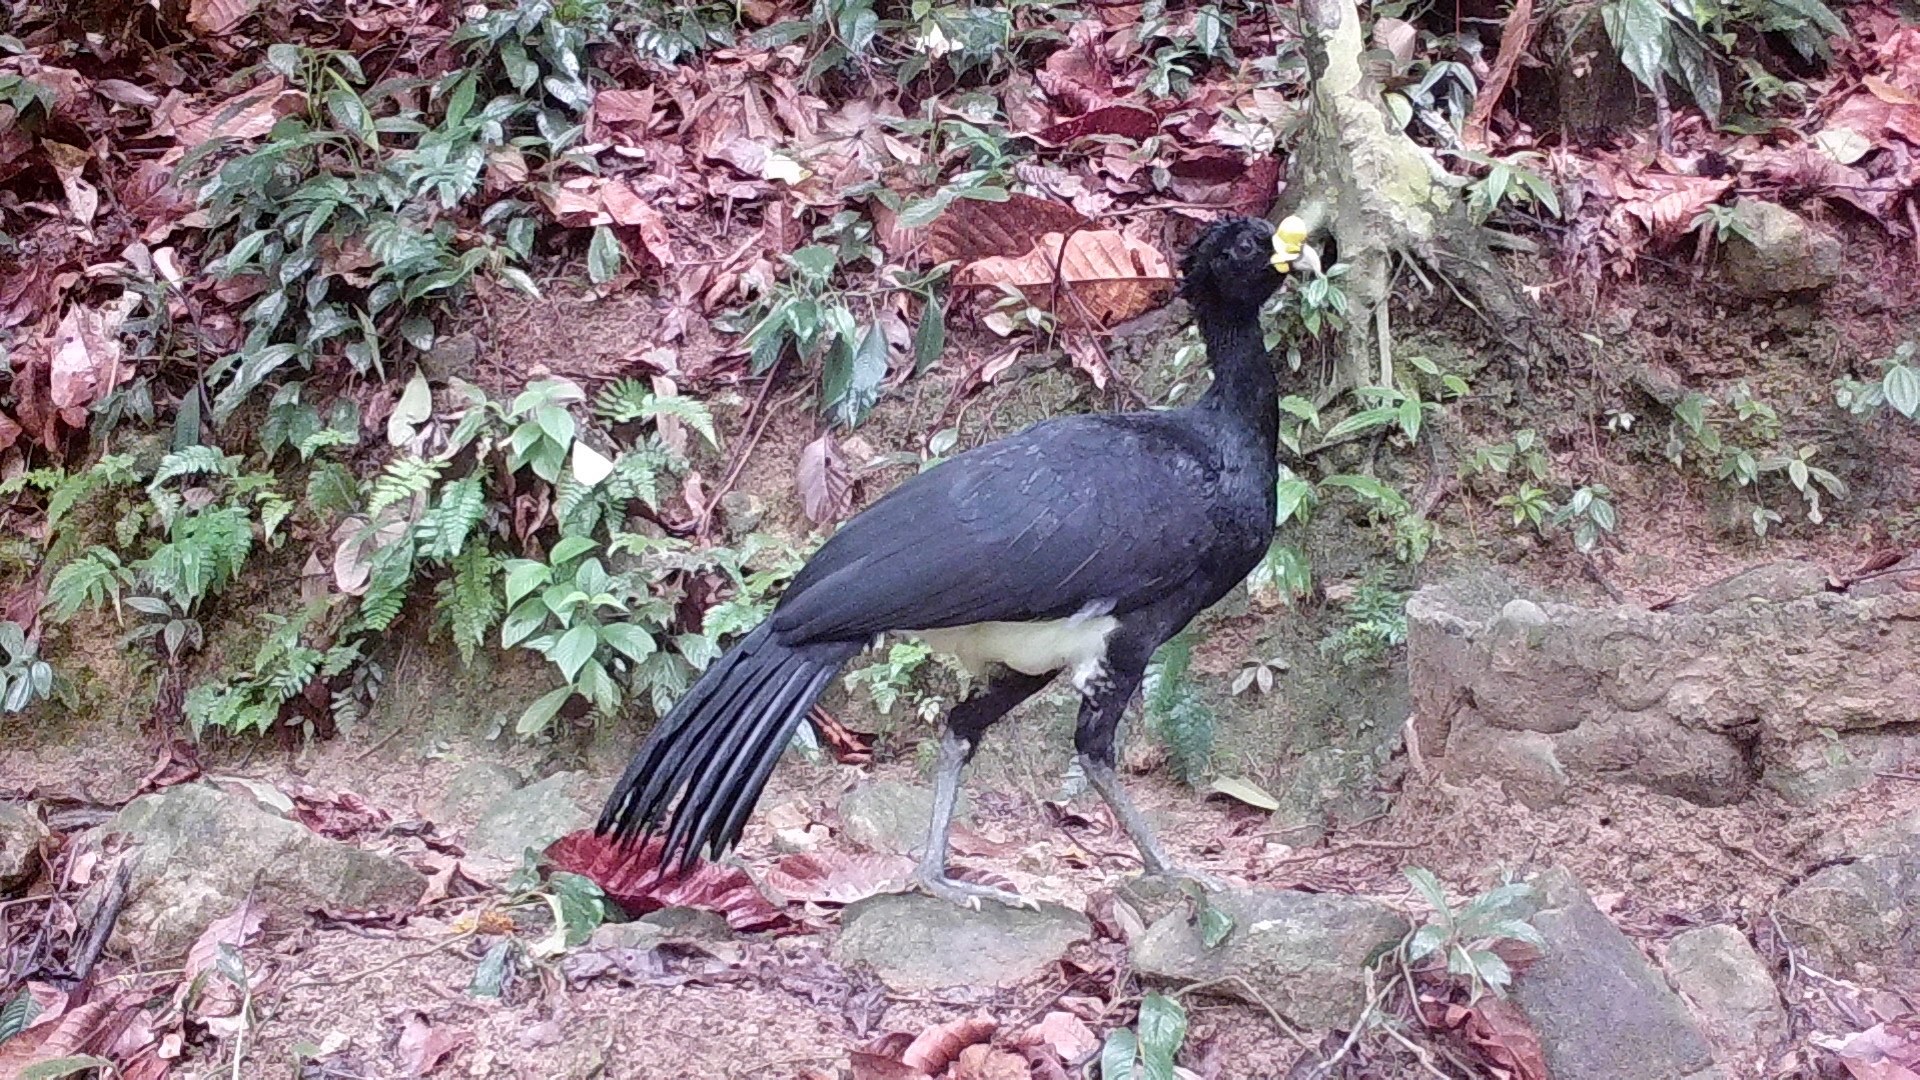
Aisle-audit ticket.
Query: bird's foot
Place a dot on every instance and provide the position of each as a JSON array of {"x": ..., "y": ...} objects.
[{"x": 965, "y": 893}]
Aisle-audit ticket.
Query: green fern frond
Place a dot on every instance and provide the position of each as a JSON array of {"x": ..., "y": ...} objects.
[
  {"x": 469, "y": 603},
  {"x": 1175, "y": 712},
  {"x": 87, "y": 582},
  {"x": 203, "y": 553},
  {"x": 443, "y": 530},
  {"x": 636, "y": 475},
  {"x": 623, "y": 400},
  {"x": 389, "y": 580},
  {"x": 689, "y": 411},
  {"x": 195, "y": 461},
  {"x": 404, "y": 478}
]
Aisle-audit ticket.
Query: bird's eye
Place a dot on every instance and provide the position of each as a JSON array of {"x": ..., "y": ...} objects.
[{"x": 1245, "y": 247}]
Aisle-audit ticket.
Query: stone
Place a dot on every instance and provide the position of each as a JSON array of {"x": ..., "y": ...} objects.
[
  {"x": 916, "y": 943},
  {"x": 1777, "y": 252},
  {"x": 1731, "y": 991},
  {"x": 477, "y": 786},
  {"x": 1860, "y": 920},
  {"x": 1304, "y": 953},
  {"x": 202, "y": 851},
  {"x": 21, "y": 834},
  {"x": 535, "y": 816},
  {"x": 1767, "y": 678},
  {"x": 889, "y": 816},
  {"x": 1600, "y": 1011},
  {"x": 452, "y": 356}
]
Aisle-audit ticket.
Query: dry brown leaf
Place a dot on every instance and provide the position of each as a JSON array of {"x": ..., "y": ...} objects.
[
  {"x": 1667, "y": 203},
  {"x": 826, "y": 490},
  {"x": 871, "y": 1066},
  {"x": 982, "y": 1062},
  {"x": 1088, "y": 356},
  {"x": 1112, "y": 276},
  {"x": 933, "y": 1049},
  {"x": 1080, "y": 75},
  {"x": 423, "y": 1047},
  {"x": 625, "y": 107},
  {"x": 68, "y": 163},
  {"x": 971, "y": 230},
  {"x": 216, "y": 17},
  {"x": 1514, "y": 37},
  {"x": 1889, "y": 1051},
  {"x": 1066, "y": 1034},
  {"x": 87, "y": 356},
  {"x": 249, "y": 114}
]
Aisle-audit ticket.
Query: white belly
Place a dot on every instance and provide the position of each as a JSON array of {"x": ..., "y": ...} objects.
[{"x": 1077, "y": 645}]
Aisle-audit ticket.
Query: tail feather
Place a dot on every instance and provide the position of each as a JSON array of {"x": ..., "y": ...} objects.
[{"x": 703, "y": 767}]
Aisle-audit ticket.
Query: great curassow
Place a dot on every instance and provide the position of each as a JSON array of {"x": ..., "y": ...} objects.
[{"x": 1080, "y": 545}]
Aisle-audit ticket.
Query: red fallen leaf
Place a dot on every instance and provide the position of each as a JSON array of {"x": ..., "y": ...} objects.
[
  {"x": 92, "y": 1028},
  {"x": 1081, "y": 74},
  {"x": 632, "y": 877},
  {"x": 423, "y": 1047},
  {"x": 1127, "y": 121},
  {"x": 838, "y": 877},
  {"x": 939, "y": 1045},
  {"x": 9, "y": 432},
  {"x": 343, "y": 817},
  {"x": 1495, "y": 1027},
  {"x": 247, "y": 115},
  {"x": 625, "y": 107}
]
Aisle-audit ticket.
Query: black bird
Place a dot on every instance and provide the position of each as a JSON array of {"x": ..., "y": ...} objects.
[{"x": 1080, "y": 544}]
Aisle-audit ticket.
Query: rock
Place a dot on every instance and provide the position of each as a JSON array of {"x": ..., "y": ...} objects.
[
  {"x": 744, "y": 511},
  {"x": 1778, "y": 252},
  {"x": 1860, "y": 920},
  {"x": 202, "y": 851},
  {"x": 914, "y": 942},
  {"x": 1599, "y": 1009},
  {"x": 452, "y": 356},
  {"x": 1326, "y": 785},
  {"x": 1772, "y": 583},
  {"x": 1764, "y": 678},
  {"x": 890, "y": 816},
  {"x": 21, "y": 834},
  {"x": 535, "y": 816},
  {"x": 1597, "y": 95},
  {"x": 1729, "y": 987},
  {"x": 1304, "y": 953},
  {"x": 476, "y": 787}
]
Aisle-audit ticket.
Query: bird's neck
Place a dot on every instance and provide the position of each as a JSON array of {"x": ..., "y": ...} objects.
[{"x": 1244, "y": 388}]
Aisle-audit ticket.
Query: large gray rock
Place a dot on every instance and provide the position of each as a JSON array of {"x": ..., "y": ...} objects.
[
  {"x": 1599, "y": 1009},
  {"x": 1766, "y": 677},
  {"x": 535, "y": 816},
  {"x": 21, "y": 834},
  {"x": 472, "y": 791},
  {"x": 1304, "y": 953},
  {"x": 1777, "y": 252},
  {"x": 202, "y": 851},
  {"x": 1861, "y": 920},
  {"x": 1729, "y": 987},
  {"x": 889, "y": 816},
  {"x": 915, "y": 942}
]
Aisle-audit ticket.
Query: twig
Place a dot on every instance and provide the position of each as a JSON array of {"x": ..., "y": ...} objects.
[
  {"x": 346, "y": 980},
  {"x": 103, "y": 922},
  {"x": 1899, "y": 776},
  {"x": 1247, "y": 988},
  {"x": 384, "y": 740}
]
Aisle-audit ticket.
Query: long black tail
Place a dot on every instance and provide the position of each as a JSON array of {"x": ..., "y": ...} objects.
[{"x": 703, "y": 767}]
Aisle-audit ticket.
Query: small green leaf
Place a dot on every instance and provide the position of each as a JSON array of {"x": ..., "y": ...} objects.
[
  {"x": 570, "y": 548},
  {"x": 414, "y": 408},
  {"x": 1215, "y": 925},
  {"x": 574, "y": 649},
  {"x": 1122, "y": 1049},
  {"x": 604, "y": 257},
  {"x": 1901, "y": 385},
  {"x": 1163, "y": 1028},
  {"x": 930, "y": 337},
  {"x": 542, "y": 711},
  {"x": 490, "y": 977},
  {"x": 56, "y": 1068}
]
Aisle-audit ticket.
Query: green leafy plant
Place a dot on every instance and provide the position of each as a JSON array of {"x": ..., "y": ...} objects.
[
  {"x": 1467, "y": 937},
  {"x": 1590, "y": 512},
  {"x": 1530, "y": 505},
  {"x": 1151, "y": 1043},
  {"x": 1897, "y": 389},
  {"x": 889, "y": 680},
  {"x": 1374, "y": 622},
  {"x": 24, "y": 677},
  {"x": 1509, "y": 179},
  {"x": 289, "y": 659},
  {"x": 1685, "y": 42}
]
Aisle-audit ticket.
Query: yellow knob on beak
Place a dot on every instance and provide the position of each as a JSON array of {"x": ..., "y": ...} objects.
[{"x": 1289, "y": 238}]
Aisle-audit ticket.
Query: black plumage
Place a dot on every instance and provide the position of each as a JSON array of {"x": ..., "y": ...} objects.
[{"x": 1126, "y": 523}]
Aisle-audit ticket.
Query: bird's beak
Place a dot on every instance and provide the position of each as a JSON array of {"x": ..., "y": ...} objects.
[
  {"x": 1290, "y": 245},
  {"x": 1309, "y": 260}
]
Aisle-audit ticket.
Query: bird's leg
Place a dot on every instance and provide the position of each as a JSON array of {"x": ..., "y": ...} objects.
[
  {"x": 968, "y": 721},
  {"x": 1104, "y": 701}
]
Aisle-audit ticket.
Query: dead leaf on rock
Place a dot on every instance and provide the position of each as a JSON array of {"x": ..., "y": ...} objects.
[
  {"x": 1103, "y": 277},
  {"x": 826, "y": 489}
]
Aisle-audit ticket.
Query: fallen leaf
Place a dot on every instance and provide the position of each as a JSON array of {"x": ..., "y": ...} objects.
[
  {"x": 838, "y": 877},
  {"x": 1888, "y": 1051},
  {"x": 87, "y": 355},
  {"x": 982, "y": 1062},
  {"x": 1087, "y": 355},
  {"x": 1093, "y": 277},
  {"x": 1244, "y": 791},
  {"x": 212, "y": 992},
  {"x": 1498, "y": 1029},
  {"x": 1066, "y": 1034},
  {"x": 631, "y": 876},
  {"x": 1127, "y": 121},
  {"x": 826, "y": 490},
  {"x": 249, "y": 114},
  {"x": 83, "y": 199},
  {"x": 938, "y": 1046},
  {"x": 1080, "y": 75},
  {"x": 217, "y": 17},
  {"x": 422, "y": 1046},
  {"x": 973, "y": 229},
  {"x": 867, "y": 1066},
  {"x": 1514, "y": 36}
]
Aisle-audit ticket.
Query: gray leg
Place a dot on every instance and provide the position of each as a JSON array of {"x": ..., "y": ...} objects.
[
  {"x": 966, "y": 724},
  {"x": 1101, "y": 775}
]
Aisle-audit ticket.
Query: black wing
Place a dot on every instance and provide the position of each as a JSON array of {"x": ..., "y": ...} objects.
[{"x": 1088, "y": 510}]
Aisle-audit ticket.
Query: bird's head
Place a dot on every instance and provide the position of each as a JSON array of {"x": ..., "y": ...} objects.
[{"x": 1239, "y": 262}]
